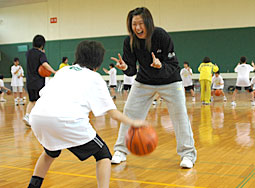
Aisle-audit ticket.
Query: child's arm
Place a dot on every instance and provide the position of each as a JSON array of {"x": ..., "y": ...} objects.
[
  {"x": 4, "y": 88},
  {"x": 105, "y": 70},
  {"x": 236, "y": 67},
  {"x": 118, "y": 116},
  {"x": 48, "y": 67},
  {"x": 253, "y": 65},
  {"x": 199, "y": 68},
  {"x": 16, "y": 72},
  {"x": 190, "y": 71}
]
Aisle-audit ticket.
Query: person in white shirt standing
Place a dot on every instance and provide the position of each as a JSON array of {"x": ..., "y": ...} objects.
[
  {"x": 243, "y": 72},
  {"x": 17, "y": 82},
  {"x": 113, "y": 80},
  {"x": 186, "y": 74},
  {"x": 218, "y": 84},
  {"x": 127, "y": 84}
]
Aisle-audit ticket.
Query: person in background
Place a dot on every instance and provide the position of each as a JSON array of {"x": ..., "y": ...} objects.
[
  {"x": 2, "y": 89},
  {"x": 206, "y": 69},
  {"x": 17, "y": 82},
  {"x": 186, "y": 74},
  {"x": 35, "y": 57},
  {"x": 64, "y": 63},
  {"x": 218, "y": 84},
  {"x": 243, "y": 73},
  {"x": 113, "y": 79}
]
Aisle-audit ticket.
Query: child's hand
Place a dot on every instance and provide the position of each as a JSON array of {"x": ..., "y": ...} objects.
[
  {"x": 139, "y": 123},
  {"x": 252, "y": 63}
]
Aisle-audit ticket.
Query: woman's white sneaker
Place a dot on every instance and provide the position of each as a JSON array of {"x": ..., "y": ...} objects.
[
  {"x": 186, "y": 163},
  {"x": 118, "y": 157}
]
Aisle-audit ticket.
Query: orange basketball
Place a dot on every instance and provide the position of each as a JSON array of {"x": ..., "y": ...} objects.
[
  {"x": 9, "y": 92},
  {"x": 142, "y": 140},
  {"x": 218, "y": 92},
  {"x": 43, "y": 71}
]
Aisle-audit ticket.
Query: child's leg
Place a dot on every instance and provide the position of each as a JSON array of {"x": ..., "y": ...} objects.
[
  {"x": 41, "y": 168},
  {"x": 208, "y": 91},
  {"x": 113, "y": 91},
  {"x": 252, "y": 95},
  {"x": 103, "y": 173},
  {"x": 30, "y": 105},
  {"x": 234, "y": 95},
  {"x": 20, "y": 92},
  {"x": 15, "y": 95},
  {"x": 43, "y": 165},
  {"x": 192, "y": 92},
  {"x": 202, "y": 86},
  {"x": 2, "y": 95}
]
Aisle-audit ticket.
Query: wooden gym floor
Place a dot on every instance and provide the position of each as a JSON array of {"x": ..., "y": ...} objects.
[{"x": 224, "y": 139}]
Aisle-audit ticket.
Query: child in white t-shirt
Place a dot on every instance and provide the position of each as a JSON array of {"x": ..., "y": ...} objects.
[
  {"x": 218, "y": 84},
  {"x": 17, "y": 82},
  {"x": 186, "y": 75},
  {"x": 243, "y": 72},
  {"x": 2, "y": 89},
  {"x": 113, "y": 80},
  {"x": 66, "y": 125}
]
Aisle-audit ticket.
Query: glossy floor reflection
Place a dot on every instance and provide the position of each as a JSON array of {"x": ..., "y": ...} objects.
[{"x": 224, "y": 139}]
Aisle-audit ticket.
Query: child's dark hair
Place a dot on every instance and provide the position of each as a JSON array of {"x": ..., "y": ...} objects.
[
  {"x": 112, "y": 65},
  {"x": 38, "y": 41},
  {"x": 89, "y": 54},
  {"x": 186, "y": 63},
  {"x": 218, "y": 72},
  {"x": 16, "y": 59},
  {"x": 64, "y": 59},
  {"x": 206, "y": 60},
  {"x": 1, "y": 76},
  {"x": 243, "y": 59}
]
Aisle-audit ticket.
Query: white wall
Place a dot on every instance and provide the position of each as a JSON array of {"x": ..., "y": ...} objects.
[{"x": 93, "y": 18}]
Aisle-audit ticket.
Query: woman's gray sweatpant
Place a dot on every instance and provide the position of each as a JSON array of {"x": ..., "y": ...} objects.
[{"x": 138, "y": 104}]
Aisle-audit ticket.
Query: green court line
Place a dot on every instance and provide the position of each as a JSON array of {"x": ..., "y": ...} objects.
[{"x": 246, "y": 179}]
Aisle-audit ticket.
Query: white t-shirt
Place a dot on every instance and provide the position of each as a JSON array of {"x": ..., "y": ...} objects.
[
  {"x": 243, "y": 72},
  {"x": 113, "y": 80},
  {"x": 1, "y": 83},
  {"x": 128, "y": 80},
  {"x": 217, "y": 82},
  {"x": 186, "y": 77},
  {"x": 60, "y": 117},
  {"x": 15, "y": 80}
]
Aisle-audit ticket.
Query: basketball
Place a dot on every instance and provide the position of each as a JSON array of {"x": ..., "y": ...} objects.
[
  {"x": 141, "y": 141},
  {"x": 217, "y": 92},
  {"x": 8, "y": 92},
  {"x": 43, "y": 72}
]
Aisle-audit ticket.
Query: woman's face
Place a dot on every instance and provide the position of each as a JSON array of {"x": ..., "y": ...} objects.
[{"x": 138, "y": 27}]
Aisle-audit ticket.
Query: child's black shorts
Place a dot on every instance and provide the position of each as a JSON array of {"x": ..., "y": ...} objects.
[
  {"x": 127, "y": 87},
  {"x": 246, "y": 88},
  {"x": 113, "y": 86},
  {"x": 95, "y": 147},
  {"x": 188, "y": 88},
  {"x": 33, "y": 94}
]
